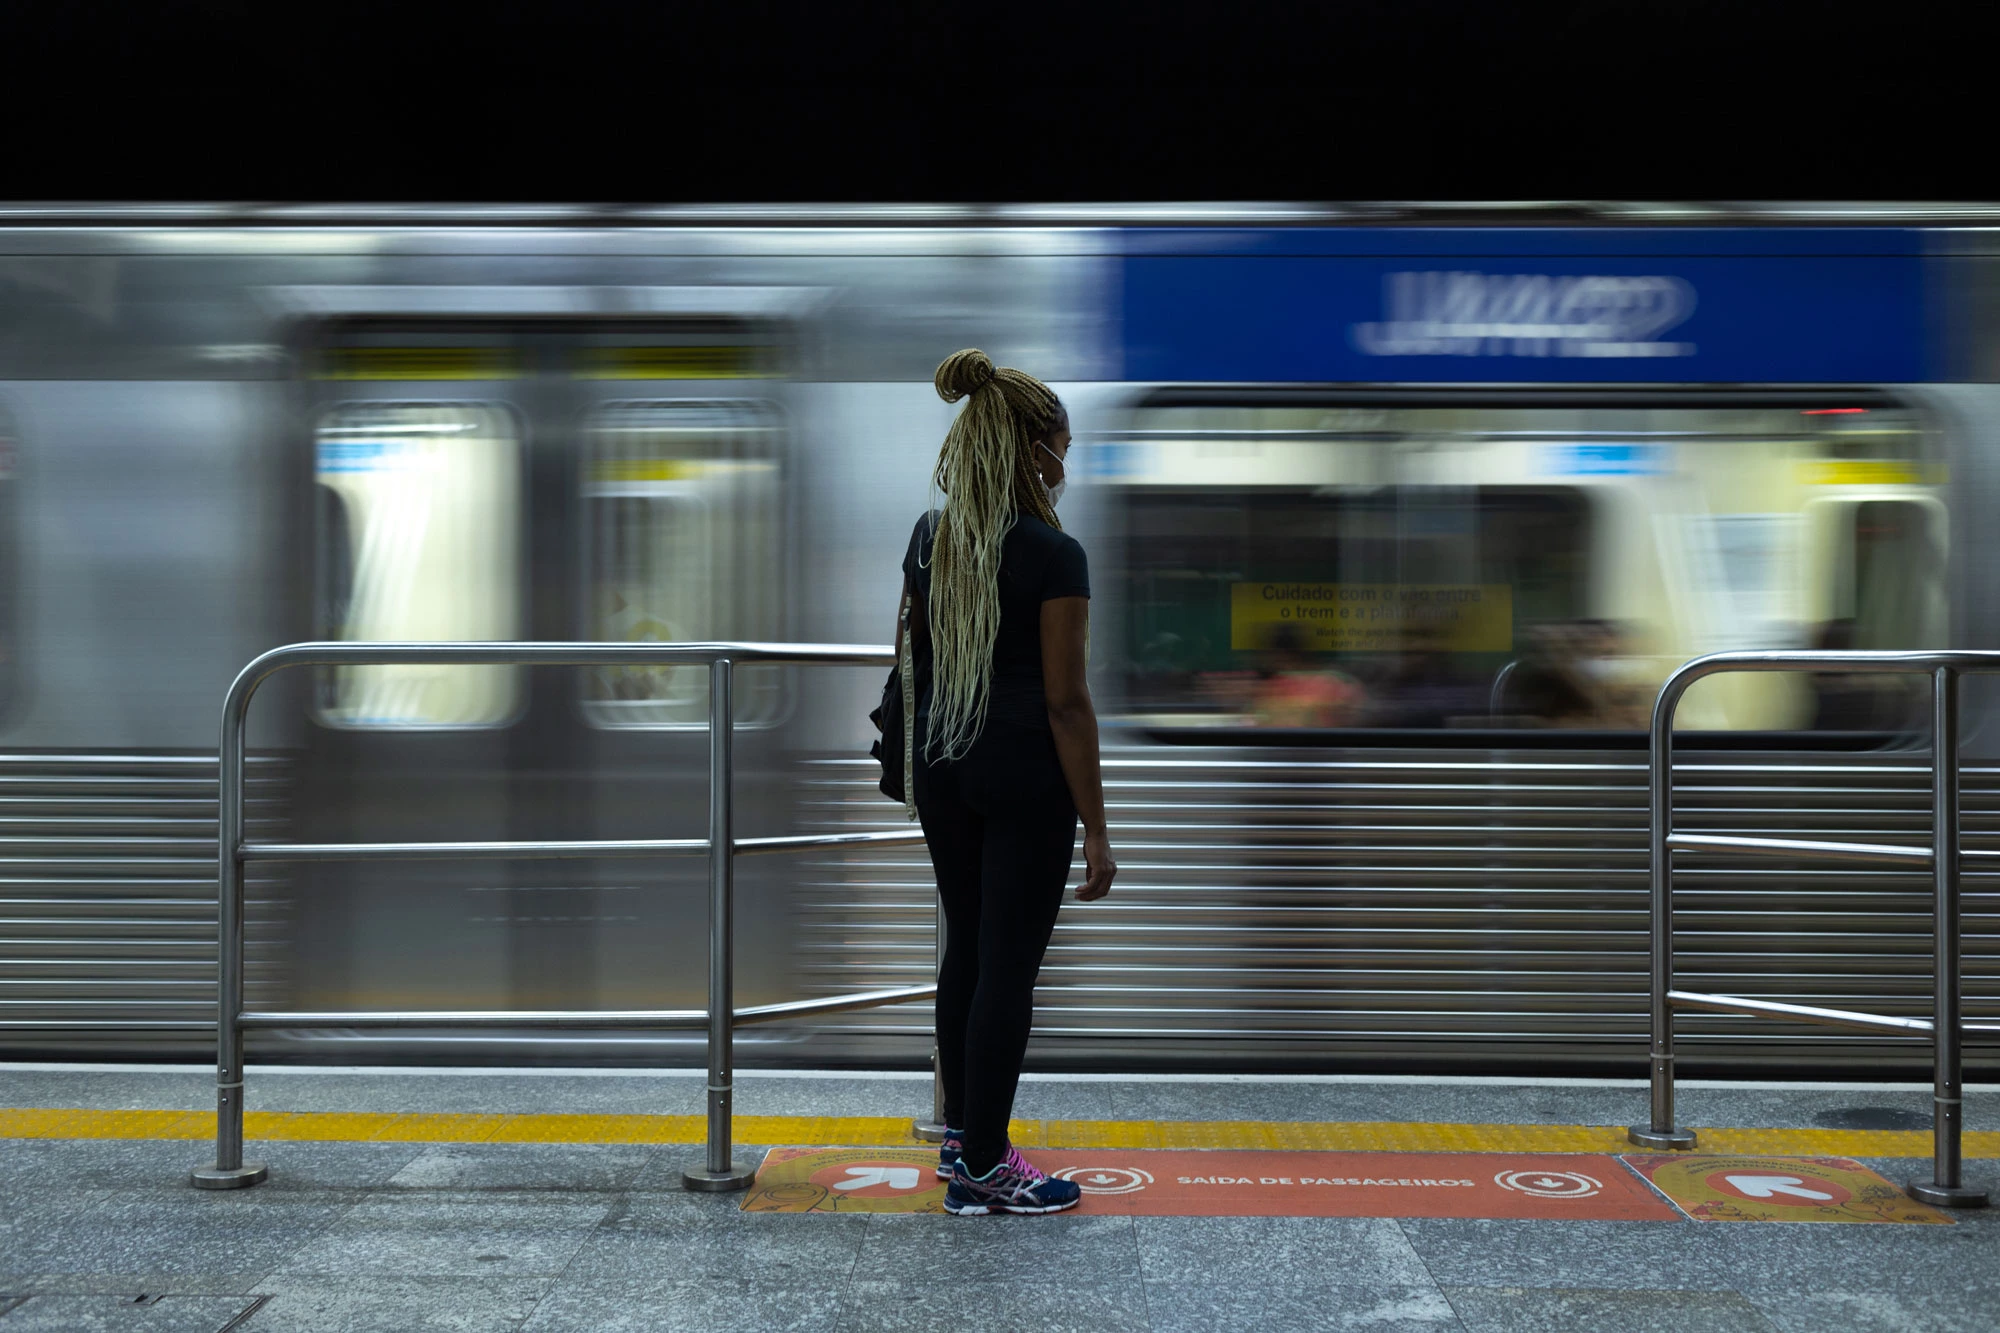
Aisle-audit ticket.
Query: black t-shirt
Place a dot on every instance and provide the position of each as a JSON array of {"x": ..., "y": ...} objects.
[{"x": 1037, "y": 564}]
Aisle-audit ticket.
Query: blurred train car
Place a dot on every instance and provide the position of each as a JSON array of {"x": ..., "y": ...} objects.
[{"x": 1396, "y": 520}]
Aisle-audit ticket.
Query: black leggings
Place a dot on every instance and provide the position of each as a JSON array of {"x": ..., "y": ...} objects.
[{"x": 1002, "y": 831}]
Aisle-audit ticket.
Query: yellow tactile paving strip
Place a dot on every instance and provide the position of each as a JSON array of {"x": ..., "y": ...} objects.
[{"x": 892, "y": 1131}]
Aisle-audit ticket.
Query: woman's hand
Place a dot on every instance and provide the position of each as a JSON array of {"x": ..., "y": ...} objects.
[
  {"x": 1073, "y": 724},
  {"x": 1098, "y": 866}
]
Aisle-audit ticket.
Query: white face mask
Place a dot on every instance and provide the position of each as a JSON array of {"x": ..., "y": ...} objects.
[{"x": 1055, "y": 492}]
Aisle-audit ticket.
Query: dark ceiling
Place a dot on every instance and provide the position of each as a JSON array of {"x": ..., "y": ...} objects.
[{"x": 758, "y": 101}]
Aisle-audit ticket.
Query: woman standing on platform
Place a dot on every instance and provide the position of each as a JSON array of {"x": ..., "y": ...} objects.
[{"x": 1006, "y": 754}]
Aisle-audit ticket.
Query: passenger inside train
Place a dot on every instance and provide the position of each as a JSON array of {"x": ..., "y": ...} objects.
[
  {"x": 1295, "y": 690},
  {"x": 1571, "y": 676},
  {"x": 1485, "y": 567}
]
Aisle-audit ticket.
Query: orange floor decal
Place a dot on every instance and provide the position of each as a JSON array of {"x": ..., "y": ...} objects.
[
  {"x": 1712, "y": 1188},
  {"x": 847, "y": 1180},
  {"x": 1234, "y": 1184}
]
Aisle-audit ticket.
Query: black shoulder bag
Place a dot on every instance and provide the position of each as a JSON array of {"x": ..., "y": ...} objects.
[{"x": 899, "y": 704}]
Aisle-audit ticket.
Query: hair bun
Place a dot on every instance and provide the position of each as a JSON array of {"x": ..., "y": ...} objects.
[{"x": 962, "y": 373}]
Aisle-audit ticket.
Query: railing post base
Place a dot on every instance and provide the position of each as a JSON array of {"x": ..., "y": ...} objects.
[
  {"x": 704, "y": 1181},
  {"x": 1674, "y": 1140},
  {"x": 229, "y": 1178},
  {"x": 1946, "y": 1196},
  {"x": 933, "y": 1130}
]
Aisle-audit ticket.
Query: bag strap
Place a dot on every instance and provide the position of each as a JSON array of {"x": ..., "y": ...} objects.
[{"x": 906, "y": 664}]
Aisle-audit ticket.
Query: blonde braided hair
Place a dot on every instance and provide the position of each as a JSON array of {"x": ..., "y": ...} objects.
[{"x": 987, "y": 471}]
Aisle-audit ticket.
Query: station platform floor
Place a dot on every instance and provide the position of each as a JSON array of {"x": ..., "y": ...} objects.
[{"x": 541, "y": 1200}]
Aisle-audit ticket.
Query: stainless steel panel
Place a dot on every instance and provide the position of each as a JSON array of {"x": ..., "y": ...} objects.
[
  {"x": 107, "y": 901},
  {"x": 1329, "y": 909},
  {"x": 151, "y": 561}
]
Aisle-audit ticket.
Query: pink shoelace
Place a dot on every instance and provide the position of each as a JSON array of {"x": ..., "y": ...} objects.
[{"x": 1018, "y": 1163}]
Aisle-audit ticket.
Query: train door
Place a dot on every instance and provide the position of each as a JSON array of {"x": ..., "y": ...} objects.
[
  {"x": 579, "y": 480},
  {"x": 681, "y": 533}
]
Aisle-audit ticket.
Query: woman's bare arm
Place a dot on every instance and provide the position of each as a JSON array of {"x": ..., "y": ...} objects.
[{"x": 1073, "y": 719}]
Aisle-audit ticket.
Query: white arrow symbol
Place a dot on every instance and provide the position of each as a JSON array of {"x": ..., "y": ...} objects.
[
  {"x": 1547, "y": 1184},
  {"x": 1101, "y": 1179},
  {"x": 895, "y": 1177},
  {"x": 1763, "y": 1187}
]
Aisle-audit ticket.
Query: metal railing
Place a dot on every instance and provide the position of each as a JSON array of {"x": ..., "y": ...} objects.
[
  {"x": 1947, "y": 1025},
  {"x": 721, "y": 846}
]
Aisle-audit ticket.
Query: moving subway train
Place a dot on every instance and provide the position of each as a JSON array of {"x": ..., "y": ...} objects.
[{"x": 1396, "y": 521}]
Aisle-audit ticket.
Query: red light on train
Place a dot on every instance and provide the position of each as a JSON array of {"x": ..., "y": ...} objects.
[{"x": 1830, "y": 411}]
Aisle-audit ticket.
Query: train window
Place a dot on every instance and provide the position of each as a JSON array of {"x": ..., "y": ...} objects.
[
  {"x": 686, "y": 544},
  {"x": 1345, "y": 606},
  {"x": 1518, "y": 567},
  {"x": 419, "y": 538}
]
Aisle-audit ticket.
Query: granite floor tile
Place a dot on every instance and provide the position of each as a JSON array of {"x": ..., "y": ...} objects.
[
  {"x": 1823, "y": 1108},
  {"x": 1697, "y": 1256},
  {"x": 495, "y": 1094},
  {"x": 525, "y": 1166},
  {"x": 311, "y": 1166},
  {"x": 122, "y": 1314},
  {"x": 174, "y": 1240},
  {"x": 452, "y": 1235},
  {"x": 1449, "y": 1103},
  {"x": 1611, "y": 1103},
  {"x": 1486, "y": 1253},
  {"x": 26, "y": 1216},
  {"x": 776, "y": 1095},
  {"x": 124, "y": 1286},
  {"x": 1585, "y": 1310},
  {"x": 1949, "y": 1309},
  {"x": 1050, "y": 1098},
  {"x": 1284, "y": 1305},
  {"x": 1907, "y": 1259},
  {"x": 1226, "y": 1101},
  {"x": 132, "y": 1164},
  {"x": 1028, "y": 1301},
  {"x": 395, "y": 1304},
  {"x": 1056, "y": 1098},
  {"x": 1363, "y": 1251},
  {"x": 688, "y": 1307},
  {"x": 649, "y": 1239},
  {"x": 661, "y": 1175},
  {"x": 45, "y": 1165},
  {"x": 1064, "y": 1249},
  {"x": 108, "y": 1089}
]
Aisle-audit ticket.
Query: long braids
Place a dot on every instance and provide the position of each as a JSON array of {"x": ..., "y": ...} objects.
[{"x": 986, "y": 470}]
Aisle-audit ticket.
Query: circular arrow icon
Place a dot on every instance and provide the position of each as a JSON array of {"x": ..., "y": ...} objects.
[
  {"x": 1106, "y": 1179},
  {"x": 1549, "y": 1184}
]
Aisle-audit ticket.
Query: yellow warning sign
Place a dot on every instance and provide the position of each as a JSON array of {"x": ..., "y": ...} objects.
[
  {"x": 419, "y": 363},
  {"x": 1871, "y": 472},
  {"x": 847, "y": 1180},
  {"x": 646, "y": 469},
  {"x": 1779, "y": 1189},
  {"x": 739, "y": 361},
  {"x": 1374, "y": 617}
]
